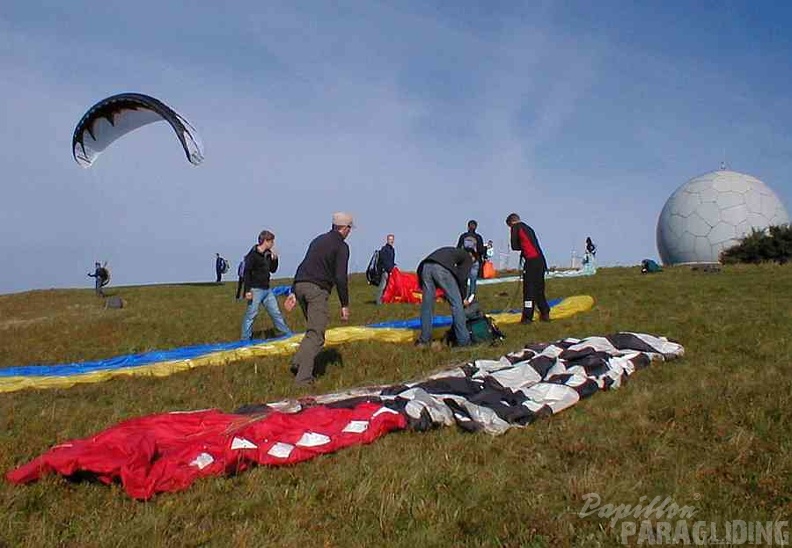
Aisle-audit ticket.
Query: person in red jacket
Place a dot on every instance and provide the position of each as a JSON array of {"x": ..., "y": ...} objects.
[{"x": 524, "y": 240}]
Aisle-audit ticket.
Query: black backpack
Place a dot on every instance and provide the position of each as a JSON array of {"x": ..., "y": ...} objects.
[
  {"x": 374, "y": 270},
  {"x": 104, "y": 276}
]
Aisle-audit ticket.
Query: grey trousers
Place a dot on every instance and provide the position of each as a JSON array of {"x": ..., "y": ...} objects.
[
  {"x": 313, "y": 301},
  {"x": 382, "y": 285}
]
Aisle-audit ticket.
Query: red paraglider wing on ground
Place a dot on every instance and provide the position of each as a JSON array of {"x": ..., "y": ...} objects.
[
  {"x": 403, "y": 287},
  {"x": 169, "y": 451}
]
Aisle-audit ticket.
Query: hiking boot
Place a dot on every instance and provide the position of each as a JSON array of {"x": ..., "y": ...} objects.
[
  {"x": 544, "y": 317},
  {"x": 422, "y": 344}
]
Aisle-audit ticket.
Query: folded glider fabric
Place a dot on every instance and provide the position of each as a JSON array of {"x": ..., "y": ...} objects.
[{"x": 168, "y": 452}]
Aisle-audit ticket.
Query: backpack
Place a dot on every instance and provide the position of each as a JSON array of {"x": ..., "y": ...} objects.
[
  {"x": 374, "y": 269},
  {"x": 223, "y": 265},
  {"x": 488, "y": 270},
  {"x": 104, "y": 276},
  {"x": 482, "y": 330},
  {"x": 648, "y": 266}
]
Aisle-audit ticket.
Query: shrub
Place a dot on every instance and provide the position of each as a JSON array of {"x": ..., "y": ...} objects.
[{"x": 773, "y": 244}]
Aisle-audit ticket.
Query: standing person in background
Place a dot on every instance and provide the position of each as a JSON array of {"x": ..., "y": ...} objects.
[
  {"x": 241, "y": 276},
  {"x": 326, "y": 264},
  {"x": 524, "y": 240},
  {"x": 588, "y": 257},
  {"x": 487, "y": 265},
  {"x": 387, "y": 259},
  {"x": 260, "y": 262},
  {"x": 221, "y": 267},
  {"x": 490, "y": 254},
  {"x": 474, "y": 243},
  {"x": 101, "y": 277},
  {"x": 591, "y": 249}
]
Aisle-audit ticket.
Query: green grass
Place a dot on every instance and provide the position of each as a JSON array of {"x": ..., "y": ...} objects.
[{"x": 710, "y": 431}]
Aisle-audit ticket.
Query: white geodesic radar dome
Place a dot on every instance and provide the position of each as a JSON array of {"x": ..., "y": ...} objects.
[{"x": 712, "y": 212}]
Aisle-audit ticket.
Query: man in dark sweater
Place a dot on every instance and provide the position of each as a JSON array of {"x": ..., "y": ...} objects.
[
  {"x": 325, "y": 265},
  {"x": 100, "y": 276},
  {"x": 447, "y": 268},
  {"x": 241, "y": 280},
  {"x": 524, "y": 240},
  {"x": 387, "y": 260},
  {"x": 473, "y": 242},
  {"x": 220, "y": 267},
  {"x": 260, "y": 262}
]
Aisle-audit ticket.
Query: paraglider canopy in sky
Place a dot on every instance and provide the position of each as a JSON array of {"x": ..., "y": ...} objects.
[{"x": 115, "y": 116}]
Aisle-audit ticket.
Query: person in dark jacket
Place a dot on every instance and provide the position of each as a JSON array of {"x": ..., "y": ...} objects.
[
  {"x": 473, "y": 242},
  {"x": 524, "y": 240},
  {"x": 325, "y": 265},
  {"x": 387, "y": 260},
  {"x": 100, "y": 278},
  {"x": 221, "y": 266},
  {"x": 447, "y": 268},
  {"x": 241, "y": 276},
  {"x": 591, "y": 249},
  {"x": 260, "y": 262}
]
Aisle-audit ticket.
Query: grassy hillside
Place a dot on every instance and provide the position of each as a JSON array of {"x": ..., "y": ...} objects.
[{"x": 710, "y": 431}]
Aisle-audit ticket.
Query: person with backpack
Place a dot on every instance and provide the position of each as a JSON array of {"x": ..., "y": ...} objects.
[
  {"x": 241, "y": 276},
  {"x": 488, "y": 265},
  {"x": 524, "y": 240},
  {"x": 447, "y": 268},
  {"x": 589, "y": 266},
  {"x": 386, "y": 260},
  {"x": 473, "y": 242},
  {"x": 221, "y": 267},
  {"x": 490, "y": 251},
  {"x": 101, "y": 278},
  {"x": 259, "y": 263},
  {"x": 591, "y": 249}
]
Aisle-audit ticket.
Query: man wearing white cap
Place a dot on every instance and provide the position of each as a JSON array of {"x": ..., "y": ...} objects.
[{"x": 325, "y": 265}]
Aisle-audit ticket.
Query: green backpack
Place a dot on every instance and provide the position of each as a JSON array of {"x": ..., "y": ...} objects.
[
  {"x": 648, "y": 266},
  {"x": 482, "y": 330}
]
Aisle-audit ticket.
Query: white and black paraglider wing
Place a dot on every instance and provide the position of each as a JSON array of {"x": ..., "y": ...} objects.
[{"x": 115, "y": 116}]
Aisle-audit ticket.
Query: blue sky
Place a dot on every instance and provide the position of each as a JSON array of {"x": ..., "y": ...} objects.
[{"x": 415, "y": 116}]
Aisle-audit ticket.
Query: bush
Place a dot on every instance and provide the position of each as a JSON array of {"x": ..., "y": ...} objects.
[{"x": 773, "y": 244}]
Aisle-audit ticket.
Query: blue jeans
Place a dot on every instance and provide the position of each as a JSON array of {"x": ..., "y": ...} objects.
[
  {"x": 472, "y": 277},
  {"x": 433, "y": 276},
  {"x": 266, "y": 298}
]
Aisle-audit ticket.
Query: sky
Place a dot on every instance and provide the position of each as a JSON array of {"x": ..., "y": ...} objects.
[{"x": 414, "y": 116}]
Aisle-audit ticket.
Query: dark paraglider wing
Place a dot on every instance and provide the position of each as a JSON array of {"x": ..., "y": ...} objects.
[{"x": 115, "y": 116}]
